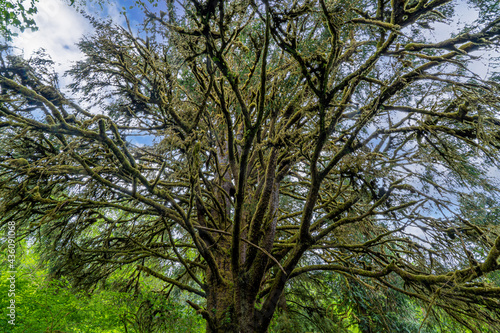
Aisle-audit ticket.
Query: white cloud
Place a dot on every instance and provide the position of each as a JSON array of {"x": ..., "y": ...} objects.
[{"x": 60, "y": 28}]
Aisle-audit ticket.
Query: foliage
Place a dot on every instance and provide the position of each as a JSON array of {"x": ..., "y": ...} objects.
[
  {"x": 325, "y": 302},
  {"x": 16, "y": 14},
  {"x": 51, "y": 306},
  {"x": 328, "y": 136}
]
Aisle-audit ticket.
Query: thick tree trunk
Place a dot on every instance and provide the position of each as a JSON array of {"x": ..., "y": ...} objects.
[
  {"x": 231, "y": 307},
  {"x": 221, "y": 305},
  {"x": 231, "y": 303}
]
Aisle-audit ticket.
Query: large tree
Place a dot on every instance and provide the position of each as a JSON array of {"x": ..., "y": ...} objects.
[{"x": 280, "y": 138}]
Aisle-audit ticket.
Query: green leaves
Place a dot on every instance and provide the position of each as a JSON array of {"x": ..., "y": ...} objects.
[
  {"x": 52, "y": 306},
  {"x": 15, "y": 16}
]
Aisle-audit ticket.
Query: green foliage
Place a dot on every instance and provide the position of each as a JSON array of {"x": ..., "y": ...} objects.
[
  {"x": 53, "y": 306},
  {"x": 326, "y": 302},
  {"x": 15, "y": 15}
]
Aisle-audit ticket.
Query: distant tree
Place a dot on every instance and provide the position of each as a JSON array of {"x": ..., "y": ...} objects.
[{"x": 285, "y": 138}]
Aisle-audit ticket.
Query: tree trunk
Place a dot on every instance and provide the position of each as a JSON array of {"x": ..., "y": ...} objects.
[{"x": 221, "y": 305}]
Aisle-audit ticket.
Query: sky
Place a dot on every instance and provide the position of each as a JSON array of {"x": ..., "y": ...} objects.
[{"x": 61, "y": 27}]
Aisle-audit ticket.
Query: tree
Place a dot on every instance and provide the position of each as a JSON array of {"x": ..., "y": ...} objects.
[
  {"x": 316, "y": 136},
  {"x": 15, "y": 14}
]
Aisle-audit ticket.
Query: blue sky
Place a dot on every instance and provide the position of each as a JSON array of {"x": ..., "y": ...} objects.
[{"x": 61, "y": 26}]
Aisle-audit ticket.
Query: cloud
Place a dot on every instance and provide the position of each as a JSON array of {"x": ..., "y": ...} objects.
[{"x": 60, "y": 27}]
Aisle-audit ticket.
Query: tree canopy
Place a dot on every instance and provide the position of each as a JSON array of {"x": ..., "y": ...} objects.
[{"x": 279, "y": 139}]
